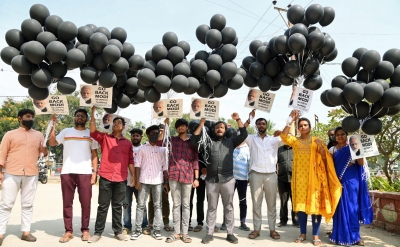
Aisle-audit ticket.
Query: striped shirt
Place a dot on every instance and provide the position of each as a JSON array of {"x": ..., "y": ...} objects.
[
  {"x": 241, "y": 162},
  {"x": 152, "y": 161}
]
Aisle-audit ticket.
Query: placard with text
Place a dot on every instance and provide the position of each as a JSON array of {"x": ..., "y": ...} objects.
[
  {"x": 301, "y": 99},
  {"x": 362, "y": 146},
  {"x": 257, "y": 99},
  {"x": 167, "y": 108},
  {"x": 204, "y": 108},
  {"x": 91, "y": 95},
  {"x": 57, "y": 104}
]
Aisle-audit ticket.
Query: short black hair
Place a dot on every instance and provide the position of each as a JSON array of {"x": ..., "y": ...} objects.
[
  {"x": 153, "y": 127},
  {"x": 330, "y": 130},
  {"x": 136, "y": 131},
  {"x": 304, "y": 119},
  {"x": 261, "y": 119},
  {"x": 83, "y": 111},
  {"x": 120, "y": 118},
  {"x": 180, "y": 122},
  {"x": 219, "y": 122},
  {"x": 22, "y": 112},
  {"x": 340, "y": 128},
  {"x": 161, "y": 126}
]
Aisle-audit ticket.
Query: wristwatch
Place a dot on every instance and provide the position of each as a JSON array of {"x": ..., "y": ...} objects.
[
  {"x": 93, "y": 170},
  {"x": 196, "y": 179}
]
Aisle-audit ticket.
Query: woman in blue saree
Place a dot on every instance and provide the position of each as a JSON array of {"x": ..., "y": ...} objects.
[{"x": 354, "y": 205}]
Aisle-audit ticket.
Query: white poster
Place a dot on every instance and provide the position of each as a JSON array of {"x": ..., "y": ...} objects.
[
  {"x": 362, "y": 146},
  {"x": 53, "y": 104},
  {"x": 106, "y": 123},
  {"x": 257, "y": 99},
  {"x": 204, "y": 108},
  {"x": 167, "y": 108},
  {"x": 91, "y": 95},
  {"x": 301, "y": 99}
]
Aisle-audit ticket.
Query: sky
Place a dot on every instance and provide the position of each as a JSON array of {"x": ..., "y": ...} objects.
[{"x": 358, "y": 23}]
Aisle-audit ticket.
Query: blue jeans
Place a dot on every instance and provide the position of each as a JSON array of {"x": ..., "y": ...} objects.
[
  {"x": 141, "y": 204},
  {"x": 315, "y": 219},
  {"x": 128, "y": 208}
]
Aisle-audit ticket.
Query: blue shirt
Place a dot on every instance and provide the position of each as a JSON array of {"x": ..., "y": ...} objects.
[{"x": 241, "y": 162}]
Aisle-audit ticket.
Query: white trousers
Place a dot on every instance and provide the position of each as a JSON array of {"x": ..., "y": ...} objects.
[{"x": 11, "y": 186}]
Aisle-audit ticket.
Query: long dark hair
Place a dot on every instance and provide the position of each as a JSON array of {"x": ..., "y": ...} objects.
[
  {"x": 340, "y": 128},
  {"x": 304, "y": 119}
]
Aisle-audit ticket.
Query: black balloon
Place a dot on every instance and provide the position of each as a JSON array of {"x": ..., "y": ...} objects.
[
  {"x": 8, "y": 53},
  {"x": 297, "y": 42},
  {"x": 370, "y": 60},
  {"x": 218, "y": 22},
  {"x": 213, "y": 38},
  {"x": 150, "y": 65},
  {"x": 201, "y": 32},
  {"x": 30, "y": 28},
  {"x": 107, "y": 79},
  {"x": 295, "y": 14},
  {"x": 21, "y": 65},
  {"x": 15, "y": 38},
  {"x": 123, "y": 100},
  {"x": 272, "y": 68},
  {"x": 41, "y": 78},
  {"x": 131, "y": 85},
  {"x": 350, "y": 124},
  {"x": 111, "y": 54},
  {"x": 315, "y": 40},
  {"x": 175, "y": 55},
  {"x": 265, "y": 83},
  {"x": 263, "y": 54},
  {"x": 121, "y": 80},
  {"x": 84, "y": 33},
  {"x": 59, "y": 70},
  {"x": 247, "y": 61},
  {"x": 228, "y": 35},
  {"x": 113, "y": 109},
  {"x": 299, "y": 28},
  {"x": 324, "y": 99},
  {"x": 329, "y": 16},
  {"x": 204, "y": 90},
  {"x": 365, "y": 76},
  {"x": 358, "y": 52},
  {"x": 228, "y": 53},
  {"x": 393, "y": 56},
  {"x": 377, "y": 111},
  {"x": 52, "y": 23},
  {"x": 39, "y": 12},
  {"x": 181, "y": 69},
  {"x": 151, "y": 95},
  {"x": 88, "y": 74},
  {"x": 391, "y": 97},
  {"x": 328, "y": 46},
  {"x": 384, "y": 83},
  {"x": 104, "y": 31},
  {"x": 162, "y": 83},
  {"x": 253, "y": 47},
  {"x": 119, "y": 33},
  {"x": 256, "y": 69},
  {"x": 228, "y": 70},
  {"x": 38, "y": 93},
  {"x": 361, "y": 110},
  {"x": 128, "y": 50},
  {"x": 373, "y": 92},
  {"x": 384, "y": 70},
  {"x": 66, "y": 85},
  {"x": 170, "y": 40},
  {"x": 213, "y": 77},
  {"x": 67, "y": 31},
  {"x": 139, "y": 97},
  {"x": 281, "y": 44},
  {"x": 98, "y": 41},
  {"x": 120, "y": 67},
  {"x": 350, "y": 66},
  {"x": 292, "y": 69},
  {"x": 199, "y": 68},
  {"x": 136, "y": 62},
  {"x": 203, "y": 55},
  {"x": 149, "y": 55},
  {"x": 236, "y": 82},
  {"x": 353, "y": 92},
  {"x": 34, "y": 52},
  {"x": 372, "y": 126},
  {"x": 395, "y": 78},
  {"x": 159, "y": 52},
  {"x": 214, "y": 61},
  {"x": 310, "y": 67},
  {"x": 164, "y": 67},
  {"x": 179, "y": 83},
  {"x": 193, "y": 86},
  {"x": 45, "y": 38},
  {"x": 250, "y": 81},
  {"x": 146, "y": 77},
  {"x": 335, "y": 96},
  {"x": 25, "y": 80},
  {"x": 88, "y": 52},
  {"x": 314, "y": 13},
  {"x": 394, "y": 110},
  {"x": 185, "y": 47},
  {"x": 284, "y": 79},
  {"x": 313, "y": 82},
  {"x": 75, "y": 58}
]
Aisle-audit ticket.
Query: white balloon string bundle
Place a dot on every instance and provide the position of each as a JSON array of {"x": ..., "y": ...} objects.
[
  {"x": 205, "y": 145},
  {"x": 166, "y": 142},
  {"x": 46, "y": 137}
]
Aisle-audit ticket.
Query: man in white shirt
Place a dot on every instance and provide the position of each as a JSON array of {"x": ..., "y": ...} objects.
[
  {"x": 263, "y": 178},
  {"x": 79, "y": 170}
]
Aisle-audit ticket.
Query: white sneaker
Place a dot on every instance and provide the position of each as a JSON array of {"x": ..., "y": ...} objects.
[{"x": 136, "y": 235}]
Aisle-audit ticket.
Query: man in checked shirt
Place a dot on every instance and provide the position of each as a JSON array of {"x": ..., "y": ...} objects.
[{"x": 183, "y": 172}]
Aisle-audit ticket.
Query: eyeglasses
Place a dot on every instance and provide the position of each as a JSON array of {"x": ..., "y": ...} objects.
[{"x": 80, "y": 116}]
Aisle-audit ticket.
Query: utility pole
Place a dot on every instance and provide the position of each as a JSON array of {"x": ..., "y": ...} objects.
[{"x": 280, "y": 10}]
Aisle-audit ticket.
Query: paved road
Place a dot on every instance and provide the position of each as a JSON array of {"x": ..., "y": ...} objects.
[{"x": 47, "y": 226}]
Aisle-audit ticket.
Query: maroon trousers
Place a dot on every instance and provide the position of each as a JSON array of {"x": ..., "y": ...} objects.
[{"x": 69, "y": 182}]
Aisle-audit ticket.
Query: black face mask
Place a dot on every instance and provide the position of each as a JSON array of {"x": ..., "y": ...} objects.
[
  {"x": 332, "y": 139},
  {"x": 153, "y": 138},
  {"x": 27, "y": 123}
]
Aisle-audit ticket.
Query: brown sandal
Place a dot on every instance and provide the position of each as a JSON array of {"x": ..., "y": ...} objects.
[
  {"x": 66, "y": 237},
  {"x": 274, "y": 235},
  {"x": 254, "y": 235},
  {"x": 299, "y": 239},
  {"x": 85, "y": 236}
]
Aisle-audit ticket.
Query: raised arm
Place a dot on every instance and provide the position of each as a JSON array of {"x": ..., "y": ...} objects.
[
  {"x": 194, "y": 139},
  {"x": 252, "y": 114},
  {"x": 243, "y": 132},
  {"x": 52, "y": 140},
  {"x": 294, "y": 116},
  {"x": 93, "y": 120}
]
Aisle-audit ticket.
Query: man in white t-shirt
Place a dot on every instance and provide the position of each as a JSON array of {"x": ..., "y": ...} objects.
[{"x": 79, "y": 170}]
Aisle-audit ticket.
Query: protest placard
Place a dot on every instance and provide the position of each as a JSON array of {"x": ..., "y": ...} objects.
[
  {"x": 99, "y": 96},
  {"x": 167, "y": 108},
  {"x": 57, "y": 104},
  {"x": 257, "y": 99},
  {"x": 301, "y": 99},
  {"x": 204, "y": 108},
  {"x": 362, "y": 146}
]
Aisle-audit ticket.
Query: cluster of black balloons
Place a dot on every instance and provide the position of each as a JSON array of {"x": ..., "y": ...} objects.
[
  {"x": 215, "y": 72},
  {"x": 271, "y": 65},
  {"x": 370, "y": 95},
  {"x": 47, "y": 47},
  {"x": 164, "y": 68}
]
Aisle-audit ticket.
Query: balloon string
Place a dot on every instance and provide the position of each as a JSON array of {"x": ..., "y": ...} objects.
[
  {"x": 205, "y": 143},
  {"x": 377, "y": 112}
]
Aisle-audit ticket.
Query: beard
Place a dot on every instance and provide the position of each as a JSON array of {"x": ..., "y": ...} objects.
[
  {"x": 77, "y": 124},
  {"x": 262, "y": 131}
]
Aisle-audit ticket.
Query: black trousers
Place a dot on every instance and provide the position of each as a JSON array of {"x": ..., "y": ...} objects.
[
  {"x": 200, "y": 196},
  {"x": 114, "y": 193},
  {"x": 285, "y": 192}
]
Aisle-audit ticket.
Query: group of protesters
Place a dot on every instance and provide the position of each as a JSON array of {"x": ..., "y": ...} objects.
[{"x": 320, "y": 182}]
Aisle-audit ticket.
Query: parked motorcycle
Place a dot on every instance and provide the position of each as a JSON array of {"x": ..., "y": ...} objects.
[{"x": 42, "y": 172}]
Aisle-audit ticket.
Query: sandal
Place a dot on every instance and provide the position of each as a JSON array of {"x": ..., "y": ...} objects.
[
  {"x": 198, "y": 228},
  {"x": 168, "y": 228},
  {"x": 66, "y": 237},
  {"x": 171, "y": 238},
  {"x": 146, "y": 231},
  {"x": 186, "y": 239},
  {"x": 317, "y": 242},
  {"x": 299, "y": 239},
  {"x": 274, "y": 235},
  {"x": 85, "y": 236},
  {"x": 254, "y": 235},
  {"x": 190, "y": 229}
]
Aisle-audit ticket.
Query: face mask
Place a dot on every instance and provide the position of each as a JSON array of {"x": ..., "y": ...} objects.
[
  {"x": 153, "y": 138},
  {"x": 27, "y": 123},
  {"x": 332, "y": 139}
]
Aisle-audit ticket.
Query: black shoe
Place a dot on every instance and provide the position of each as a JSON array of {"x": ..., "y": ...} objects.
[
  {"x": 207, "y": 239},
  {"x": 223, "y": 227},
  {"x": 232, "y": 239},
  {"x": 280, "y": 224}
]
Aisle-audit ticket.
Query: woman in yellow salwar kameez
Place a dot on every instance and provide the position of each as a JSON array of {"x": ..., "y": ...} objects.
[{"x": 316, "y": 189}]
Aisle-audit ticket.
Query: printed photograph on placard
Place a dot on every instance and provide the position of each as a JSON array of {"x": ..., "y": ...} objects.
[
  {"x": 362, "y": 146},
  {"x": 206, "y": 108},
  {"x": 167, "y": 108},
  {"x": 257, "y": 99},
  {"x": 106, "y": 123},
  {"x": 86, "y": 95},
  {"x": 301, "y": 99},
  {"x": 53, "y": 104},
  {"x": 251, "y": 98}
]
